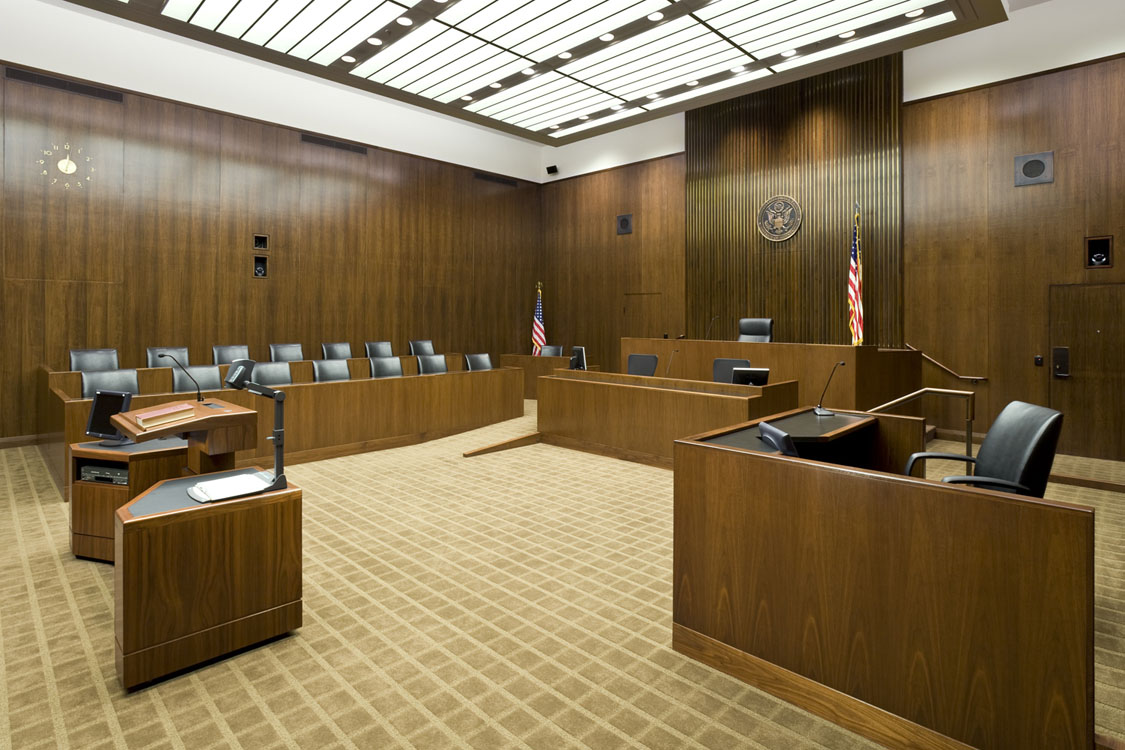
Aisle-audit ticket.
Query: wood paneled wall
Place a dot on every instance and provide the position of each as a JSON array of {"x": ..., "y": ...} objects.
[
  {"x": 827, "y": 141},
  {"x": 599, "y": 285},
  {"x": 157, "y": 248},
  {"x": 980, "y": 253}
]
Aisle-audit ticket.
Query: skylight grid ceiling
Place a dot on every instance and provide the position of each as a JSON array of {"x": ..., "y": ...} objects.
[{"x": 557, "y": 67}]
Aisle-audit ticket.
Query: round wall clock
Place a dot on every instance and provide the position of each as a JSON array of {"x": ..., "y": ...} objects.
[{"x": 67, "y": 166}]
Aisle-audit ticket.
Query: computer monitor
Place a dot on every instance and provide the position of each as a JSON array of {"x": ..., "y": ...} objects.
[
  {"x": 750, "y": 375},
  {"x": 578, "y": 358},
  {"x": 777, "y": 439},
  {"x": 106, "y": 404}
]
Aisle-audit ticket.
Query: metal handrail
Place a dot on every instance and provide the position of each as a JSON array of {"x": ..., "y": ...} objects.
[
  {"x": 959, "y": 376},
  {"x": 970, "y": 408}
]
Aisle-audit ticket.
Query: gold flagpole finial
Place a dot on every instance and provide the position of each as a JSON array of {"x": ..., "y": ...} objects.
[{"x": 538, "y": 286}]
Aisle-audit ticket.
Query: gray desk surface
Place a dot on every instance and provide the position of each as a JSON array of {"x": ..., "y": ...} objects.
[
  {"x": 804, "y": 427},
  {"x": 145, "y": 447},
  {"x": 172, "y": 494}
]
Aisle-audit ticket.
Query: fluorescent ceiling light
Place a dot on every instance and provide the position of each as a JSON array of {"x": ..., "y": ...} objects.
[
  {"x": 324, "y": 52},
  {"x": 240, "y": 19},
  {"x": 441, "y": 38},
  {"x": 910, "y": 28},
  {"x": 436, "y": 63},
  {"x": 305, "y": 22},
  {"x": 180, "y": 10},
  {"x": 598, "y": 122},
  {"x": 212, "y": 12},
  {"x": 272, "y": 21},
  {"x": 699, "y": 91},
  {"x": 388, "y": 54}
]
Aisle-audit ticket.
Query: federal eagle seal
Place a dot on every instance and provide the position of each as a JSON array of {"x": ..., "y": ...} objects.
[{"x": 779, "y": 218}]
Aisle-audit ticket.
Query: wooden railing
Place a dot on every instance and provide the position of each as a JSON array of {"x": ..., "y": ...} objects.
[
  {"x": 970, "y": 408},
  {"x": 974, "y": 379}
]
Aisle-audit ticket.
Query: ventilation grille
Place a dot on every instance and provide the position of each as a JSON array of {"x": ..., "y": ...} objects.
[
  {"x": 85, "y": 89},
  {"x": 495, "y": 178},
  {"x": 321, "y": 141}
]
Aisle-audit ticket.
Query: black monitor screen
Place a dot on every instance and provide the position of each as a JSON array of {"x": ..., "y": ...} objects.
[
  {"x": 106, "y": 404},
  {"x": 578, "y": 358},
  {"x": 750, "y": 375}
]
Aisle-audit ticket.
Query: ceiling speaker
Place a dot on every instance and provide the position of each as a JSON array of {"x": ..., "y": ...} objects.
[{"x": 1035, "y": 169}]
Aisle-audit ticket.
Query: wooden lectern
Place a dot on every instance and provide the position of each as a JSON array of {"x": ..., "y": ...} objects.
[{"x": 214, "y": 432}]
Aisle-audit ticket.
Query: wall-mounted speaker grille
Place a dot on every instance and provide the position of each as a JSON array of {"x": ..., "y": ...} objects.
[
  {"x": 330, "y": 143},
  {"x": 85, "y": 89},
  {"x": 1035, "y": 169},
  {"x": 495, "y": 178}
]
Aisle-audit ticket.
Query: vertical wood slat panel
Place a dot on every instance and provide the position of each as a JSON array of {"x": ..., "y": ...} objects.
[{"x": 827, "y": 141}]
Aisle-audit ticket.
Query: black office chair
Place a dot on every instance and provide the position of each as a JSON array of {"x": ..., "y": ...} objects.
[
  {"x": 179, "y": 352},
  {"x": 207, "y": 376},
  {"x": 339, "y": 350},
  {"x": 1016, "y": 454},
  {"x": 475, "y": 362},
  {"x": 286, "y": 353},
  {"x": 755, "y": 329},
  {"x": 722, "y": 371},
  {"x": 642, "y": 364},
  {"x": 422, "y": 346},
  {"x": 431, "y": 364},
  {"x": 224, "y": 355},
  {"x": 90, "y": 360},
  {"x": 109, "y": 380},
  {"x": 551, "y": 351},
  {"x": 327, "y": 370},
  {"x": 271, "y": 373},
  {"x": 378, "y": 349},
  {"x": 386, "y": 367}
]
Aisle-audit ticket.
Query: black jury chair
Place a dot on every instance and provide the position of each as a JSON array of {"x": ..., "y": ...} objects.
[
  {"x": 109, "y": 380},
  {"x": 722, "y": 370},
  {"x": 1016, "y": 454},
  {"x": 378, "y": 349},
  {"x": 338, "y": 350},
  {"x": 207, "y": 376},
  {"x": 179, "y": 352},
  {"x": 431, "y": 364},
  {"x": 475, "y": 362},
  {"x": 755, "y": 329},
  {"x": 386, "y": 367},
  {"x": 422, "y": 346},
  {"x": 224, "y": 355},
  {"x": 286, "y": 353},
  {"x": 271, "y": 373},
  {"x": 551, "y": 351},
  {"x": 641, "y": 364},
  {"x": 89, "y": 360},
  {"x": 327, "y": 370}
]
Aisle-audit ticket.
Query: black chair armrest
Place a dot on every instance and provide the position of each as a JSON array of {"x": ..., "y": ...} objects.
[
  {"x": 991, "y": 483},
  {"x": 951, "y": 456}
]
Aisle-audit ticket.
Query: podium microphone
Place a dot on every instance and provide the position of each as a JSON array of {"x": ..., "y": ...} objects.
[
  {"x": 708, "y": 334},
  {"x": 669, "y": 367},
  {"x": 820, "y": 411},
  {"x": 198, "y": 393}
]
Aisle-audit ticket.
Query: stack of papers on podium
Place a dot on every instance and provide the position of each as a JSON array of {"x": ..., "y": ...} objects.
[{"x": 229, "y": 487}]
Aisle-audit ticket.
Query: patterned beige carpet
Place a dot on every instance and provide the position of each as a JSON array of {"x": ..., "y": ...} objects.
[{"x": 518, "y": 599}]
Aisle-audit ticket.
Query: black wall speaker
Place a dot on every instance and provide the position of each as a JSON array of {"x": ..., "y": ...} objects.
[
  {"x": 625, "y": 224},
  {"x": 1099, "y": 252},
  {"x": 553, "y": 169},
  {"x": 261, "y": 267},
  {"x": 1035, "y": 169}
]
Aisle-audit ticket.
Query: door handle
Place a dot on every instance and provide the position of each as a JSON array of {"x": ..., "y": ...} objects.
[{"x": 1060, "y": 362}]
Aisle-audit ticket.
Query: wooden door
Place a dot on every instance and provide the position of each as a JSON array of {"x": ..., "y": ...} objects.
[{"x": 1089, "y": 320}]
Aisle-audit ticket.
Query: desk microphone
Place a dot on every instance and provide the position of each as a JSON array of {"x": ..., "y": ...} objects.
[
  {"x": 669, "y": 367},
  {"x": 682, "y": 336},
  {"x": 198, "y": 393},
  {"x": 708, "y": 334},
  {"x": 820, "y": 411}
]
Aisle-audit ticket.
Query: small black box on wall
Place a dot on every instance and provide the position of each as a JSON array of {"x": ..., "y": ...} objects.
[
  {"x": 261, "y": 267},
  {"x": 1099, "y": 252},
  {"x": 625, "y": 224}
]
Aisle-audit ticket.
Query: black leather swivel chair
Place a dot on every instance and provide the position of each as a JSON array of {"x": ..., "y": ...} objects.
[
  {"x": 271, "y": 373},
  {"x": 755, "y": 329},
  {"x": 386, "y": 367},
  {"x": 378, "y": 349},
  {"x": 286, "y": 353},
  {"x": 431, "y": 364},
  {"x": 327, "y": 370},
  {"x": 421, "y": 346},
  {"x": 1016, "y": 454},
  {"x": 206, "y": 375},
  {"x": 179, "y": 352},
  {"x": 642, "y": 364},
  {"x": 224, "y": 355},
  {"x": 551, "y": 351},
  {"x": 339, "y": 350},
  {"x": 109, "y": 380},
  {"x": 722, "y": 371},
  {"x": 89, "y": 360},
  {"x": 475, "y": 362}
]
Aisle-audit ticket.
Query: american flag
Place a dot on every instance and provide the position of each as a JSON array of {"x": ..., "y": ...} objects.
[
  {"x": 538, "y": 332},
  {"x": 855, "y": 286}
]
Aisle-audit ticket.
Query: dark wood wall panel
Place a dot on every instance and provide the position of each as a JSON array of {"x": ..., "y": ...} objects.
[
  {"x": 600, "y": 285},
  {"x": 827, "y": 141},
  {"x": 157, "y": 250},
  {"x": 982, "y": 254}
]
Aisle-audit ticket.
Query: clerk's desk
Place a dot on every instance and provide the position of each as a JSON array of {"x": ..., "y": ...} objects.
[{"x": 916, "y": 613}]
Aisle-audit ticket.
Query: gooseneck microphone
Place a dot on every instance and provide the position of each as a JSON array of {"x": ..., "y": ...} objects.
[
  {"x": 708, "y": 334},
  {"x": 820, "y": 411},
  {"x": 670, "y": 358},
  {"x": 198, "y": 393}
]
